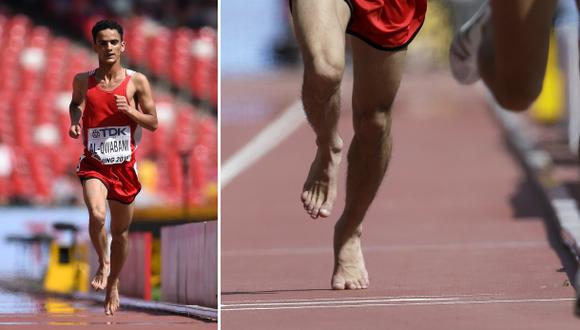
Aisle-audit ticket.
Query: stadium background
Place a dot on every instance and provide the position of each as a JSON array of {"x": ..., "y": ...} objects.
[{"x": 45, "y": 43}]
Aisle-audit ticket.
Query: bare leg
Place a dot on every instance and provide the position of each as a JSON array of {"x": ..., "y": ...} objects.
[
  {"x": 377, "y": 75},
  {"x": 514, "y": 50},
  {"x": 320, "y": 27},
  {"x": 95, "y": 195},
  {"x": 121, "y": 216}
]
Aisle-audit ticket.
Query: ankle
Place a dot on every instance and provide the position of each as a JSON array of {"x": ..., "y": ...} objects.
[{"x": 344, "y": 230}]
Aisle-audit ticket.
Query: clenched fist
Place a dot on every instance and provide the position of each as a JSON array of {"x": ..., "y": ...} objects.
[
  {"x": 74, "y": 131},
  {"x": 122, "y": 104}
]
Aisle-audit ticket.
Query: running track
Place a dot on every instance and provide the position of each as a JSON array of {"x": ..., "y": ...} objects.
[
  {"x": 457, "y": 237},
  {"x": 22, "y": 312}
]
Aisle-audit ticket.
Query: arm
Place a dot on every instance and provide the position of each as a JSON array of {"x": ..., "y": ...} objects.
[
  {"x": 147, "y": 117},
  {"x": 76, "y": 106}
]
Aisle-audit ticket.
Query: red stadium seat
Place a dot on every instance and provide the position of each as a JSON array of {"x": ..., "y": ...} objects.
[{"x": 37, "y": 70}]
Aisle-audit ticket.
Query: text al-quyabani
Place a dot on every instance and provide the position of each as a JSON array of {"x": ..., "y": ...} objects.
[{"x": 107, "y": 147}]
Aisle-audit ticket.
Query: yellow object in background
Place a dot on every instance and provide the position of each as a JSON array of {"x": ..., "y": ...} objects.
[
  {"x": 57, "y": 306},
  {"x": 67, "y": 271},
  {"x": 548, "y": 108},
  {"x": 61, "y": 273},
  {"x": 83, "y": 268}
]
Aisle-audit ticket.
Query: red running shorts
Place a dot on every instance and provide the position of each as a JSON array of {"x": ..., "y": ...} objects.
[
  {"x": 385, "y": 24},
  {"x": 121, "y": 180}
]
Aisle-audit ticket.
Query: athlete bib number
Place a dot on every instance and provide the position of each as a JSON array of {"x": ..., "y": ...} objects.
[{"x": 110, "y": 145}]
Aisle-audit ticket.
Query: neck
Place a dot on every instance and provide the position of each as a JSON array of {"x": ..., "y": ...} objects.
[{"x": 109, "y": 70}]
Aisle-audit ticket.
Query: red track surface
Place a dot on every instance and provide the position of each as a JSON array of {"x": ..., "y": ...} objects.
[
  {"x": 19, "y": 311},
  {"x": 456, "y": 238}
]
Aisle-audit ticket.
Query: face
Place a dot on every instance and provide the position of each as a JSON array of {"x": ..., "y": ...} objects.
[{"x": 108, "y": 46}]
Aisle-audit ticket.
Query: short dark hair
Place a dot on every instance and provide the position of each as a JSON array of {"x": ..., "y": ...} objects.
[{"x": 106, "y": 24}]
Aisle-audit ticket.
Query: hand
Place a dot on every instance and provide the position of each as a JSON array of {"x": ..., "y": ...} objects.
[
  {"x": 122, "y": 104},
  {"x": 74, "y": 131}
]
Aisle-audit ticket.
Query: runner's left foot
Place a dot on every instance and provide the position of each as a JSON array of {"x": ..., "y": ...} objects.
[
  {"x": 349, "y": 266},
  {"x": 112, "y": 298}
]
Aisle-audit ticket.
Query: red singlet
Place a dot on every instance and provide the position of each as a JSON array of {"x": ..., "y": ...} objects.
[{"x": 110, "y": 139}]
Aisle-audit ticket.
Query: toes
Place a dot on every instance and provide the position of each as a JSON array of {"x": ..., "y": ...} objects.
[
  {"x": 304, "y": 196},
  {"x": 317, "y": 203},
  {"x": 338, "y": 284},
  {"x": 308, "y": 201},
  {"x": 364, "y": 283},
  {"x": 96, "y": 285},
  {"x": 351, "y": 285},
  {"x": 311, "y": 201}
]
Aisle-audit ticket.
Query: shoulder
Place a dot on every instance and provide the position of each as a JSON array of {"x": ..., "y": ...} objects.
[
  {"x": 138, "y": 79},
  {"x": 82, "y": 77}
]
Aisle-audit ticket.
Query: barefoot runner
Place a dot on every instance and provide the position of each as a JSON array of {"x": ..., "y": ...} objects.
[
  {"x": 381, "y": 31},
  {"x": 113, "y": 104}
]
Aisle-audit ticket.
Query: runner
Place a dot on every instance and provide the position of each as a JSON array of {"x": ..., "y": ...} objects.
[
  {"x": 382, "y": 30},
  {"x": 113, "y": 103},
  {"x": 506, "y": 45}
]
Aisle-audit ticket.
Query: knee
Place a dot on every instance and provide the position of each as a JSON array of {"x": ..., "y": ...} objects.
[
  {"x": 326, "y": 70},
  {"x": 97, "y": 217},
  {"x": 119, "y": 234},
  {"x": 372, "y": 126}
]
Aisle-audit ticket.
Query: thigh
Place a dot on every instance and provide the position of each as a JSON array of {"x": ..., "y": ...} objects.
[
  {"x": 121, "y": 216},
  {"x": 521, "y": 33},
  {"x": 376, "y": 78},
  {"x": 95, "y": 195},
  {"x": 320, "y": 27}
]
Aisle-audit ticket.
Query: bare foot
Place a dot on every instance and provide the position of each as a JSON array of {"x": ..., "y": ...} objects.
[
  {"x": 99, "y": 281},
  {"x": 112, "y": 298},
  {"x": 319, "y": 191},
  {"x": 349, "y": 266}
]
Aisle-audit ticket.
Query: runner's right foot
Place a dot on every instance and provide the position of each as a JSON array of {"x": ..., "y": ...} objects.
[
  {"x": 319, "y": 191},
  {"x": 99, "y": 281},
  {"x": 464, "y": 48}
]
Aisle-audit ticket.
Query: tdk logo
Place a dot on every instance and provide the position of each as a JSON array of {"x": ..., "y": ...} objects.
[{"x": 110, "y": 131}]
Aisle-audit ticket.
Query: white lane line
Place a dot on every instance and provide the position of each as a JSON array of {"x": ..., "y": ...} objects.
[
  {"x": 354, "y": 299},
  {"x": 337, "y": 302},
  {"x": 387, "y": 248},
  {"x": 391, "y": 303},
  {"x": 261, "y": 144}
]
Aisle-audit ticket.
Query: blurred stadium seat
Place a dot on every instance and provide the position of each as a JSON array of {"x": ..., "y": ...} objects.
[{"x": 37, "y": 69}]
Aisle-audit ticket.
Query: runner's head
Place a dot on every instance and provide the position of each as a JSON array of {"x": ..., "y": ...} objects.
[{"x": 108, "y": 41}]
